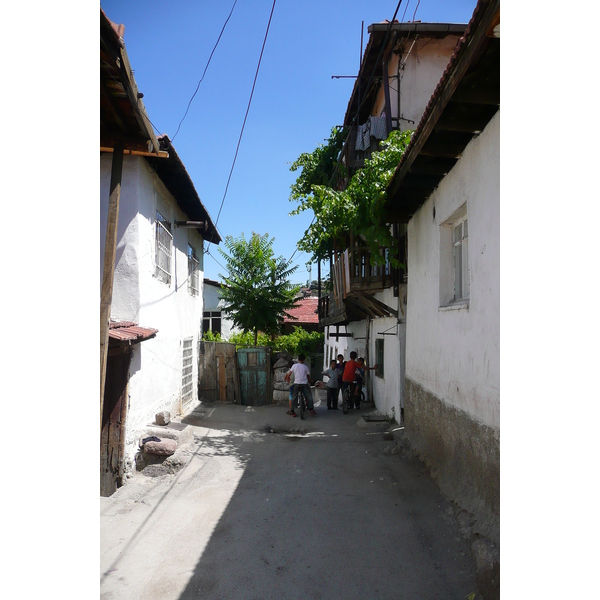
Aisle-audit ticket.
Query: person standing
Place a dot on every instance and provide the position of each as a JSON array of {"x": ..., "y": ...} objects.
[
  {"x": 349, "y": 377},
  {"x": 339, "y": 367},
  {"x": 301, "y": 382},
  {"x": 332, "y": 386}
]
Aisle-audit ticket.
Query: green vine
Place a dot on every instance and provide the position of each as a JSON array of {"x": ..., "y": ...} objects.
[{"x": 358, "y": 210}]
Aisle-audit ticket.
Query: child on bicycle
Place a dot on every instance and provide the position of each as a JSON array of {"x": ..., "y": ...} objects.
[
  {"x": 349, "y": 377},
  {"x": 301, "y": 382}
]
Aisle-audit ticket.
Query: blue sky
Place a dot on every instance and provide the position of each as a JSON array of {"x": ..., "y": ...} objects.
[{"x": 295, "y": 103}]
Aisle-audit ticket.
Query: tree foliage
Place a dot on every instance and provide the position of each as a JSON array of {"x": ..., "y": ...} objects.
[
  {"x": 299, "y": 341},
  {"x": 358, "y": 210},
  {"x": 256, "y": 289}
]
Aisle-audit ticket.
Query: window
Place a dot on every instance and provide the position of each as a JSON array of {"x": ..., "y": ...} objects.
[
  {"x": 379, "y": 356},
  {"x": 211, "y": 321},
  {"x": 163, "y": 245},
  {"x": 193, "y": 268},
  {"x": 187, "y": 380},
  {"x": 454, "y": 259},
  {"x": 461, "y": 260}
]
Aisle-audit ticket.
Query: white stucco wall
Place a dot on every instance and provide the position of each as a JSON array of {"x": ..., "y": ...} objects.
[
  {"x": 387, "y": 391},
  {"x": 212, "y": 301},
  {"x": 156, "y": 365},
  {"x": 454, "y": 352}
]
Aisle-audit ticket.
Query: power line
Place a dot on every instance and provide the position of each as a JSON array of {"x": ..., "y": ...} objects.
[
  {"x": 245, "y": 117},
  {"x": 247, "y": 111},
  {"x": 205, "y": 69}
]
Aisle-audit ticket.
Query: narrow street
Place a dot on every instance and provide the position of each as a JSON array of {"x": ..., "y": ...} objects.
[{"x": 269, "y": 506}]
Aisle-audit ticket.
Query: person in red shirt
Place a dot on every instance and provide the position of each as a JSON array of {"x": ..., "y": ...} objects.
[{"x": 349, "y": 376}]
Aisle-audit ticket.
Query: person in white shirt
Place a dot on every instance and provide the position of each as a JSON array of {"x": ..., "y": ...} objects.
[{"x": 301, "y": 382}]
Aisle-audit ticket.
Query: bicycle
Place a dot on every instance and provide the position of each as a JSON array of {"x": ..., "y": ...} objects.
[
  {"x": 301, "y": 403},
  {"x": 346, "y": 399}
]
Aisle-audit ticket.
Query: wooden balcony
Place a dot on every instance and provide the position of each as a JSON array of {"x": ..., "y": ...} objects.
[{"x": 355, "y": 278}]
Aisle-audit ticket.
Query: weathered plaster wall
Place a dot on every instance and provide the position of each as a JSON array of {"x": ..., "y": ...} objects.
[
  {"x": 463, "y": 455},
  {"x": 452, "y": 401},
  {"x": 424, "y": 67},
  {"x": 156, "y": 366},
  {"x": 455, "y": 351}
]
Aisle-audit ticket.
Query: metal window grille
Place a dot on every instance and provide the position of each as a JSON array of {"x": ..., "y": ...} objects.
[
  {"x": 193, "y": 273},
  {"x": 187, "y": 379},
  {"x": 164, "y": 243}
]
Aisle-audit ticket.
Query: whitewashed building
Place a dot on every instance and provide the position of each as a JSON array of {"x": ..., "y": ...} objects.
[
  {"x": 447, "y": 188},
  {"x": 213, "y": 318},
  {"x": 155, "y": 273},
  {"x": 366, "y": 311}
]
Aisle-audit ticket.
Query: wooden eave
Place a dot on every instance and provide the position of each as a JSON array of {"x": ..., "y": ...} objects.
[
  {"x": 123, "y": 119},
  {"x": 464, "y": 102},
  {"x": 177, "y": 180}
]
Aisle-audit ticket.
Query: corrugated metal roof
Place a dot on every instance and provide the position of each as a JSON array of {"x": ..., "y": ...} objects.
[{"x": 128, "y": 331}]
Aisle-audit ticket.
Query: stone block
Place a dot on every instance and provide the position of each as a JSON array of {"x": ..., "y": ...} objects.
[
  {"x": 281, "y": 397},
  {"x": 282, "y": 363},
  {"x": 163, "y": 418},
  {"x": 164, "y": 447}
]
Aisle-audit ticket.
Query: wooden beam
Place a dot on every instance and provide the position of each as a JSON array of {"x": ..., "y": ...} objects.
[
  {"x": 110, "y": 250},
  {"x": 126, "y": 152}
]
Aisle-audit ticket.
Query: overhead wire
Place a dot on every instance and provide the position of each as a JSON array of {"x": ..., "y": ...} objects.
[
  {"x": 205, "y": 69},
  {"x": 246, "y": 116}
]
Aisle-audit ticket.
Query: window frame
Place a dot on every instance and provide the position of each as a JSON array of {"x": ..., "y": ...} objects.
[
  {"x": 193, "y": 272},
  {"x": 455, "y": 272},
  {"x": 162, "y": 234}
]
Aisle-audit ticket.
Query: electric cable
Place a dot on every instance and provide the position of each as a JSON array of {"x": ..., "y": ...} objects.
[
  {"x": 205, "y": 69},
  {"x": 246, "y": 115}
]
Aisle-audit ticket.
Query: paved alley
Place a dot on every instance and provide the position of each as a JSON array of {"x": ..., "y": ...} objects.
[{"x": 269, "y": 506}]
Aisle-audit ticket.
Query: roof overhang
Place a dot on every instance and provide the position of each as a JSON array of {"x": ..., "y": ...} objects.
[
  {"x": 123, "y": 119},
  {"x": 463, "y": 103},
  {"x": 174, "y": 175},
  {"x": 126, "y": 333}
]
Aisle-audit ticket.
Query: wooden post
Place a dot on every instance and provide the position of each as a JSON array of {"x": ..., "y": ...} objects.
[{"x": 110, "y": 250}]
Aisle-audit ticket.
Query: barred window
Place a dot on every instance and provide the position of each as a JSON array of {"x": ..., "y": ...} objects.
[
  {"x": 163, "y": 246},
  {"x": 187, "y": 381},
  {"x": 193, "y": 272}
]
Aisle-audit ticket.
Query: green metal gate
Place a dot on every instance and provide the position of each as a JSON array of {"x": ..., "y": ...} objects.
[{"x": 254, "y": 366}]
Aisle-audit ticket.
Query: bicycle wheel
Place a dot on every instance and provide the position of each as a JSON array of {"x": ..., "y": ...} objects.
[
  {"x": 301, "y": 404},
  {"x": 345, "y": 398}
]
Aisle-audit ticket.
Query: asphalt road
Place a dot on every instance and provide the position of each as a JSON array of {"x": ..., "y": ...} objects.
[{"x": 269, "y": 506}]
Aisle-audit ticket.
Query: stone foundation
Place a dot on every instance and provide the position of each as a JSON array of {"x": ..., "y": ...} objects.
[{"x": 462, "y": 455}]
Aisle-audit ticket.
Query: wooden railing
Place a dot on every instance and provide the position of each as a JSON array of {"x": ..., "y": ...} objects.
[
  {"x": 365, "y": 274},
  {"x": 352, "y": 270}
]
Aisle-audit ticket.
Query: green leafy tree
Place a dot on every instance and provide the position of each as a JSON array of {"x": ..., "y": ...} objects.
[
  {"x": 357, "y": 210},
  {"x": 256, "y": 289}
]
